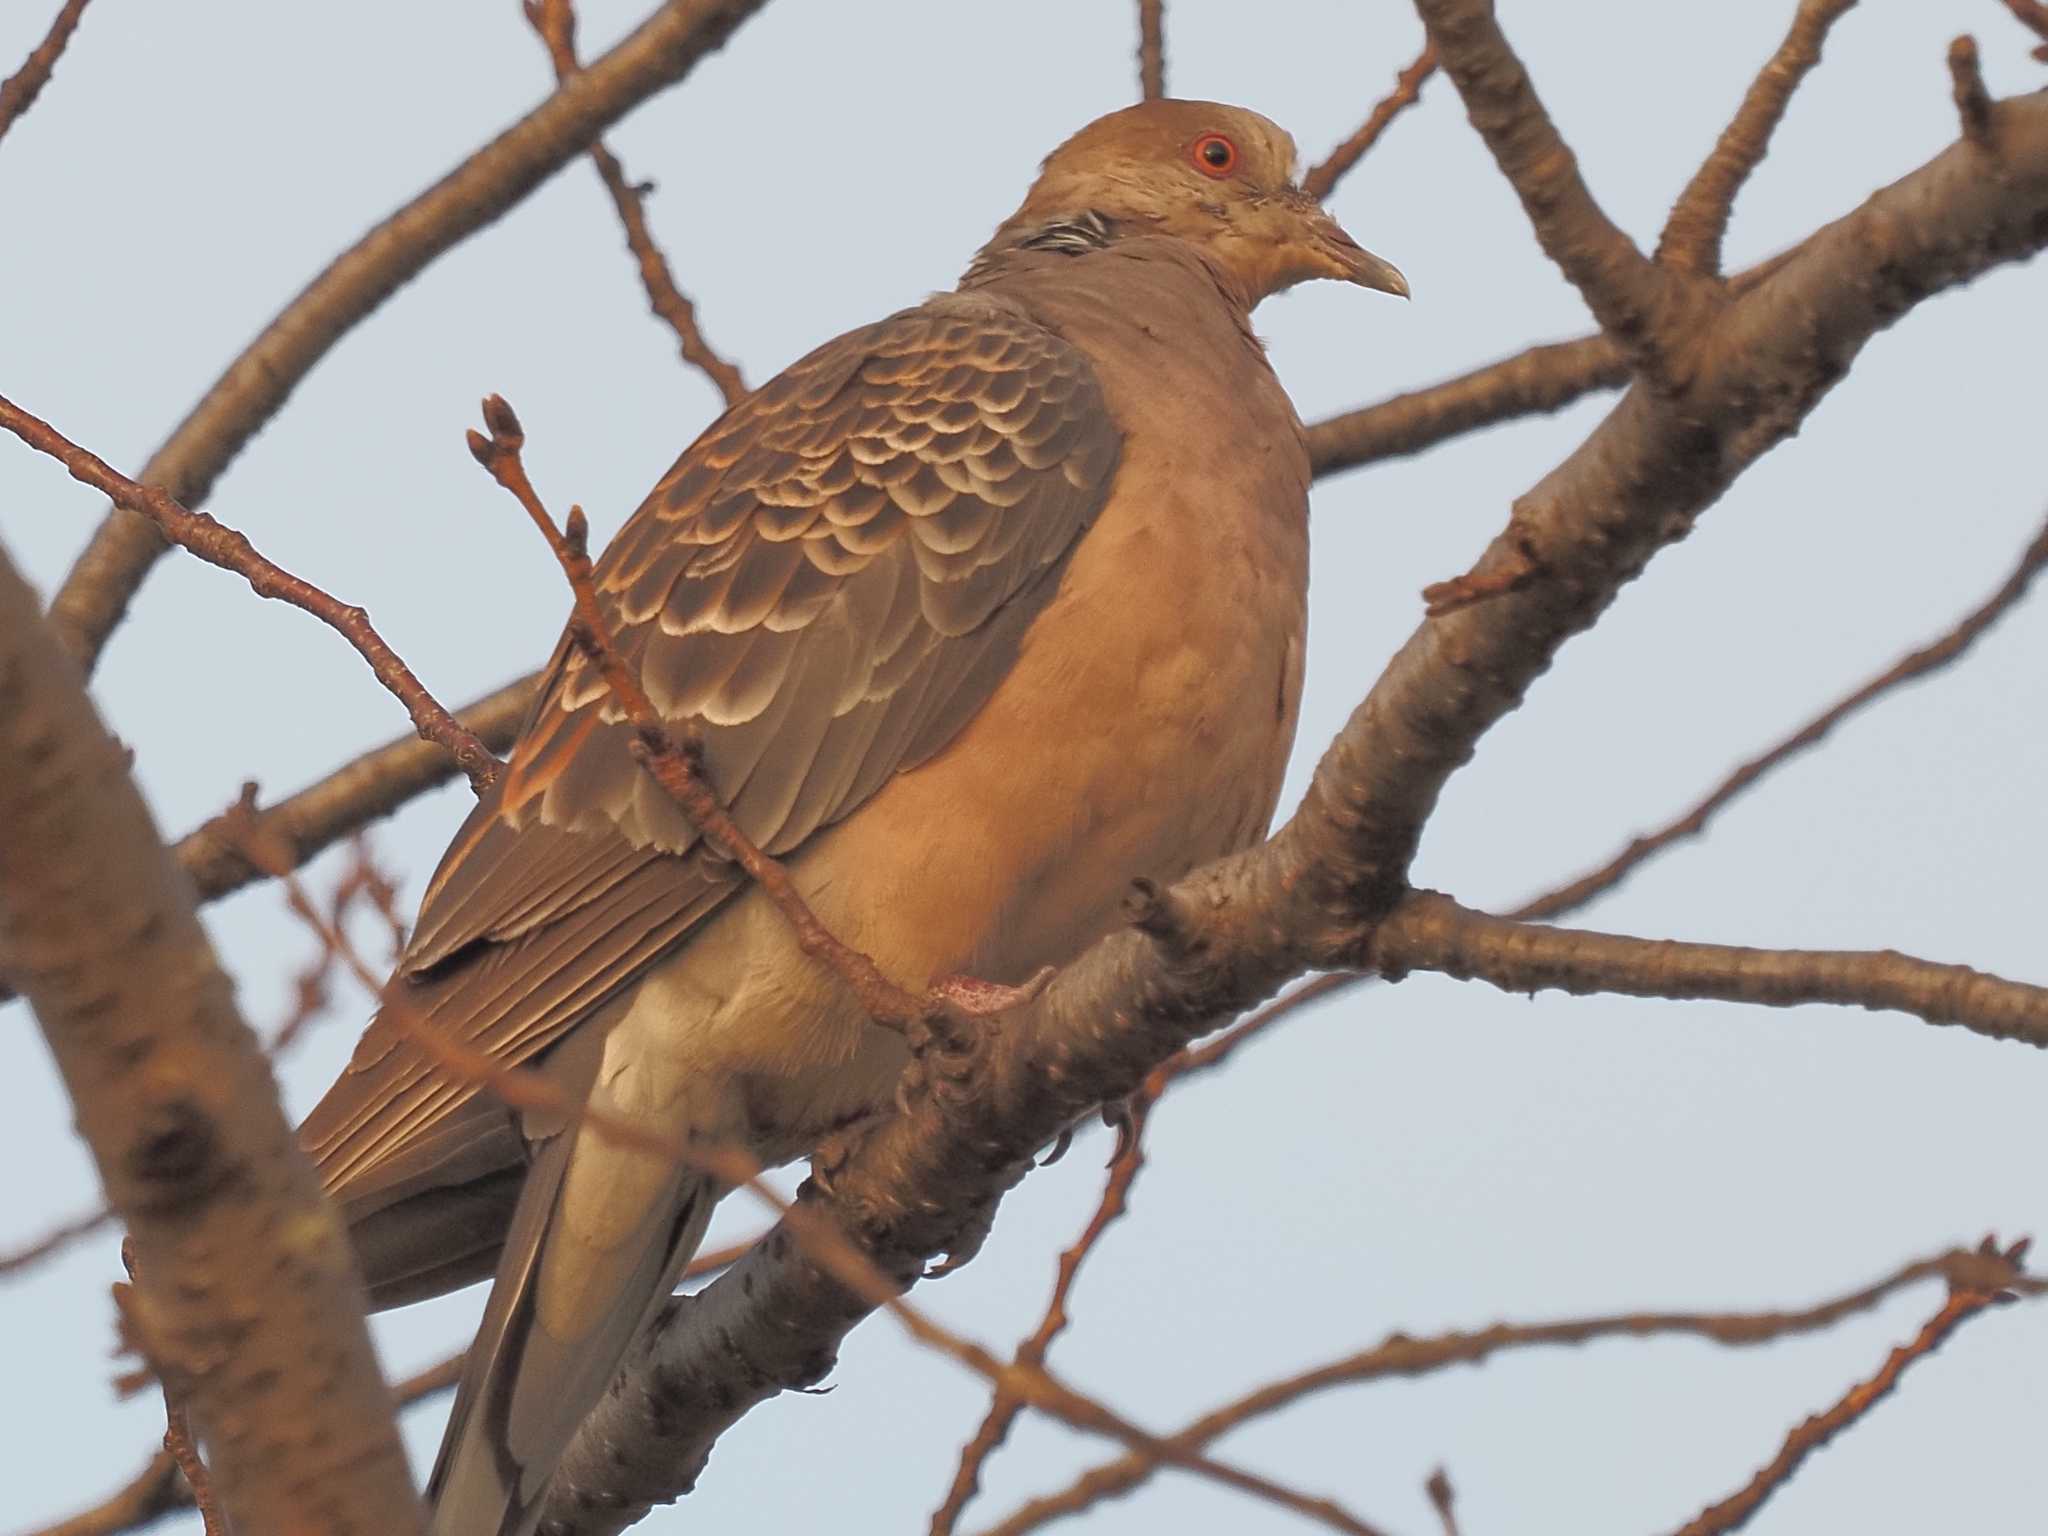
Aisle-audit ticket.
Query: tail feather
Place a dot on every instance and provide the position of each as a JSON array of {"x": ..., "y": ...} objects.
[{"x": 600, "y": 1237}]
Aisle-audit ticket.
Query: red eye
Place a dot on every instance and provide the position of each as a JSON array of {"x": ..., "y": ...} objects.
[{"x": 1215, "y": 155}]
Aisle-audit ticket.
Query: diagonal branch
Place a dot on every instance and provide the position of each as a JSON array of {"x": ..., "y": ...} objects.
[
  {"x": 19, "y": 90},
  {"x": 555, "y": 21},
  {"x": 1322, "y": 179},
  {"x": 1429, "y": 932},
  {"x": 1692, "y": 236},
  {"x": 1914, "y": 665},
  {"x": 1998, "y": 1280},
  {"x": 1647, "y": 309},
  {"x": 660, "y": 52},
  {"x": 219, "y": 545}
]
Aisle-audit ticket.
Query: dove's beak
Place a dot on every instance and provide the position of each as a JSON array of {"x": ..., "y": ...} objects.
[{"x": 1344, "y": 258}]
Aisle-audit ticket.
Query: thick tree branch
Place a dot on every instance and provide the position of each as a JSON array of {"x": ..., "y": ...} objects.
[
  {"x": 971, "y": 1118},
  {"x": 660, "y": 52},
  {"x": 19, "y": 90},
  {"x": 1429, "y": 932},
  {"x": 1404, "y": 1356},
  {"x": 1692, "y": 236},
  {"x": 1644, "y": 307},
  {"x": 225, "y": 547},
  {"x": 246, "y": 1296}
]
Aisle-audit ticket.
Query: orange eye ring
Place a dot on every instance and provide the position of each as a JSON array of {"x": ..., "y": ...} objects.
[{"x": 1214, "y": 155}]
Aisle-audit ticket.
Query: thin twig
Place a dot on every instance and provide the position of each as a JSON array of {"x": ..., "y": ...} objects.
[
  {"x": 59, "y": 1237},
  {"x": 1918, "y": 663},
  {"x": 2032, "y": 15},
  {"x": 670, "y": 764},
  {"x": 1443, "y": 1499},
  {"x": 219, "y": 545},
  {"x": 1004, "y": 1407},
  {"x": 1322, "y": 180},
  {"x": 1401, "y": 1356},
  {"x": 19, "y": 90},
  {"x": 1966, "y": 1300},
  {"x": 1151, "y": 49},
  {"x": 555, "y": 21},
  {"x": 1973, "y": 100}
]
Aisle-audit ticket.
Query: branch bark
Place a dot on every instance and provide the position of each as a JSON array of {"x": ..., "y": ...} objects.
[
  {"x": 978, "y": 1106},
  {"x": 19, "y": 90},
  {"x": 660, "y": 52},
  {"x": 1431, "y": 932},
  {"x": 246, "y": 1295}
]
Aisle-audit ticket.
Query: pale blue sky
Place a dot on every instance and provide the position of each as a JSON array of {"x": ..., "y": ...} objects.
[{"x": 1430, "y": 1156}]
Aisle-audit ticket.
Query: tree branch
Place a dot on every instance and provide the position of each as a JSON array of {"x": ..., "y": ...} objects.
[
  {"x": 1645, "y": 308},
  {"x": 19, "y": 90},
  {"x": 246, "y": 1297},
  {"x": 219, "y": 545},
  {"x": 1913, "y": 665},
  {"x": 1151, "y": 49},
  {"x": 1403, "y": 1356},
  {"x": 1692, "y": 236},
  {"x": 1968, "y": 1297},
  {"x": 1429, "y": 932},
  {"x": 555, "y": 21},
  {"x": 980, "y": 1106},
  {"x": 1322, "y": 180},
  {"x": 660, "y": 52}
]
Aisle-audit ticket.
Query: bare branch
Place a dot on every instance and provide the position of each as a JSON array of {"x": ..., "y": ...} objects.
[
  {"x": 52, "y": 1242},
  {"x": 555, "y": 21},
  {"x": 219, "y": 545},
  {"x": 2032, "y": 15},
  {"x": 660, "y": 52},
  {"x": 1322, "y": 180},
  {"x": 1443, "y": 1499},
  {"x": 1967, "y": 1298},
  {"x": 19, "y": 90},
  {"x": 1908, "y": 668},
  {"x": 1402, "y": 1356},
  {"x": 1151, "y": 49},
  {"x": 1642, "y": 306},
  {"x": 1973, "y": 101},
  {"x": 1535, "y": 382},
  {"x": 247, "y": 1296},
  {"x": 1429, "y": 932},
  {"x": 1004, "y": 1408},
  {"x": 1692, "y": 236}
]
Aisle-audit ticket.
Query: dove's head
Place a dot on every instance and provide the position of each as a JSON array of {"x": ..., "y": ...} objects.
[{"x": 1218, "y": 177}]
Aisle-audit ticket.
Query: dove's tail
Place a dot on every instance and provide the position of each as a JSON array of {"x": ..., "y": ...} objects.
[{"x": 599, "y": 1239}]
